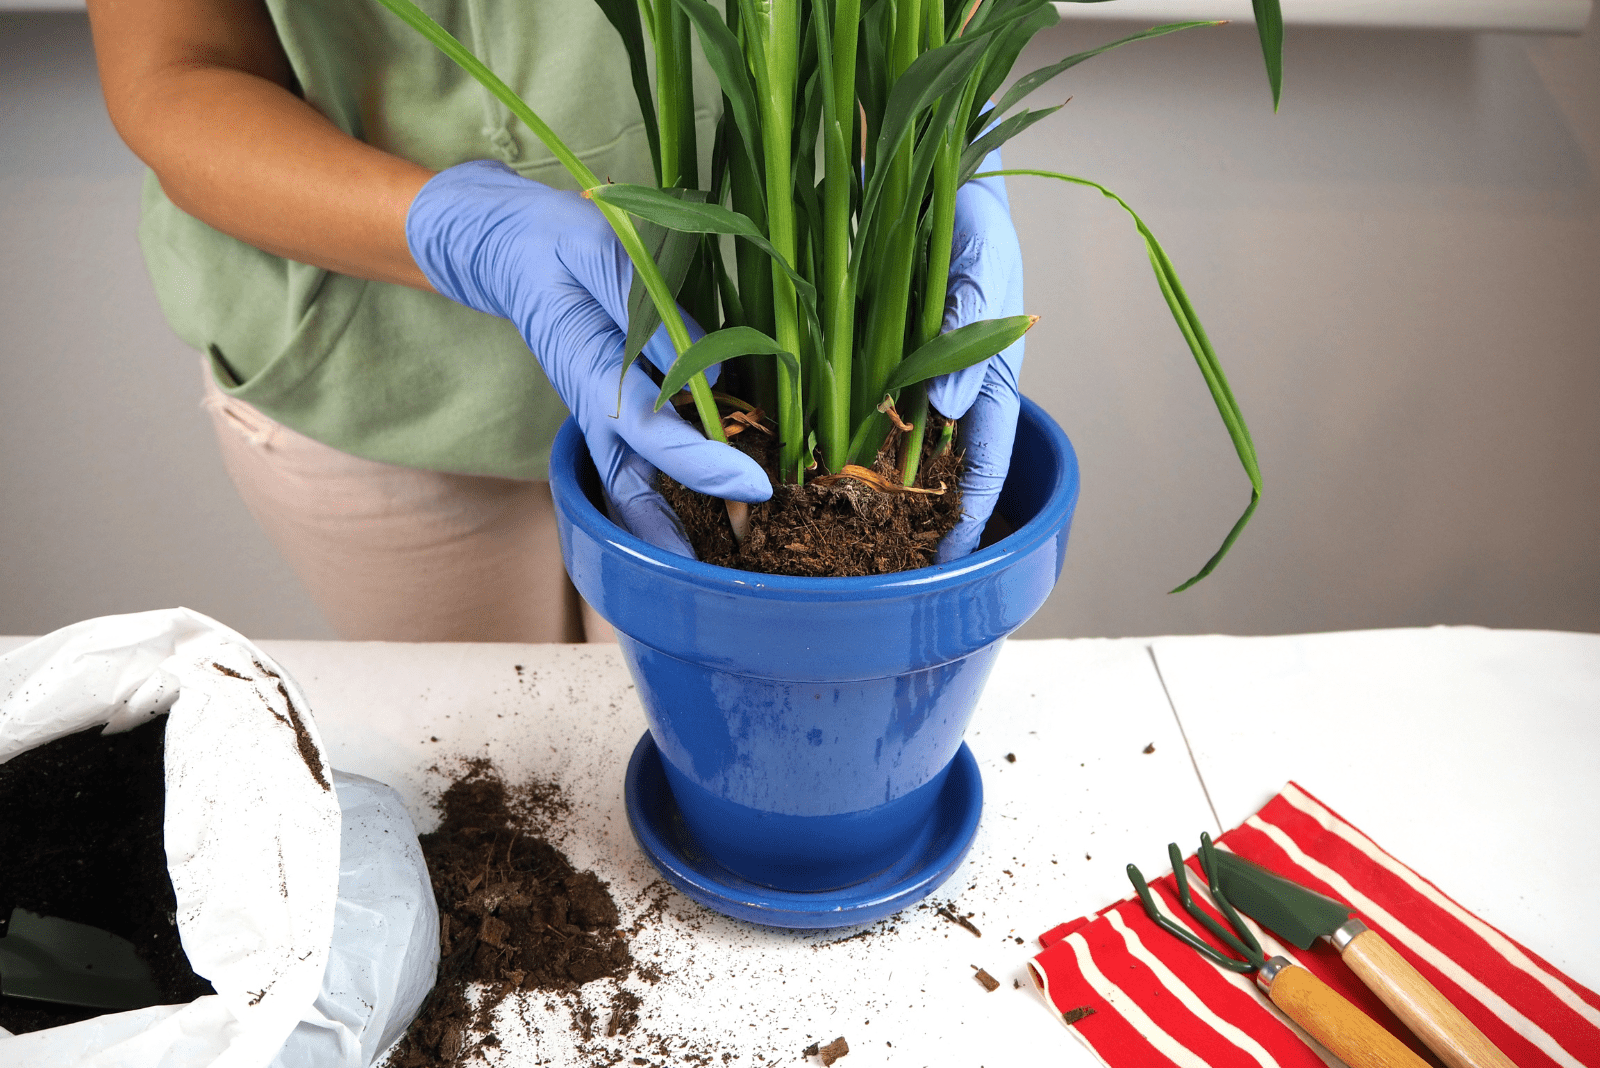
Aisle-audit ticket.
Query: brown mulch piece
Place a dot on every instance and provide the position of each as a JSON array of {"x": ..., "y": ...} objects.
[
  {"x": 1147, "y": 750},
  {"x": 839, "y": 527},
  {"x": 961, "y": 921},
  {"x": 82, "y": 819},
  {"x": 514, "y": 915},
  {"x": 829, "y": 1053},
  {"x": 1072, "y": 1016},
  {"x": 990, "y": 983}
]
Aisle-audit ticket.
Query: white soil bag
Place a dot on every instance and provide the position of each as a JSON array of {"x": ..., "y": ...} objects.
[{"x": 302, "y": 893}]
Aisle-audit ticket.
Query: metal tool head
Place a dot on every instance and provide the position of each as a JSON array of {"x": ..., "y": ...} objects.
[
  {"x": 1240, "y": 939},
  {"x": 1287, "y": 909},
  {"x": 47, "y": 959}
]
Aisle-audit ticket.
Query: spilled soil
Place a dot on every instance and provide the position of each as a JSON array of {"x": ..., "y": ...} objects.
[
  {"x": 830, "y": 527},
  {"x": 82, "y": 820},
  {"x": 514, "y": 916}
]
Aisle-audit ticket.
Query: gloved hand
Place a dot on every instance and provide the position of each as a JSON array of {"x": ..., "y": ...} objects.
[
  {"x": 548, "y": 261},
  {"x": 985, "y": 283}
]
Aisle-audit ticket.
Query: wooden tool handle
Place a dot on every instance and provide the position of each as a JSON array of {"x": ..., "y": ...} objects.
[
  {"x": 1350, "y": 1034},
  {"x": 1420, "y": 1007}
]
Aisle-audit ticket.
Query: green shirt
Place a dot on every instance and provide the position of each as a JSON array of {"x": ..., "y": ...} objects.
[{"x": 384, "y": 371}]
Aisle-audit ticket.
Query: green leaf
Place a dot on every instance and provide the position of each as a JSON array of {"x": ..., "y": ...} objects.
[
  {"x": 1205, "y": 356},
  {"x": 987, "y": 16},
  {"x": 673, "y": 251},
  {"x": 1227, "y": 543},
  {"x": 624, "y": 15},
  {"x": 1029, "y": 82},
  {"x": 973, "y": 155},
  {"x": 930, "y": 76},
  {"x": 732, "y": 306},
  {"x": 663, "y": 209},
  {"x": 872, "y": 74},
  {"x": 924, "y": 158},
  {"x": 1269, "y": 25},
  {"x": 727, "y": 61},
  {"x": 716, "y": 347},
  {"x": 996, "y": 15},
  {"x": 959, "y": 348},
  {"x": 1001, "y": 55},
  {"x": 934, "y": 74}
]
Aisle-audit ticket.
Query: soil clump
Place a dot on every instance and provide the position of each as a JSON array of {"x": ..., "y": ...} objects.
[
  {"x": 83, "y": 842},
  {"x": 514, "y": 915},
  {"x": 832, "y": 527}
]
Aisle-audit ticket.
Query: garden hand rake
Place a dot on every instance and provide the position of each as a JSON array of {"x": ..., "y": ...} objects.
[{"x": 1345, "y": 1030}]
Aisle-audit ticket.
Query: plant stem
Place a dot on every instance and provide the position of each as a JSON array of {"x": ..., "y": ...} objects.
[
  {"x": 886, "y": 323},
  {"x": 915, "y": 400},
  {"x": 675, "y": 98},
  {"x": 753, "y": 268},
  {"x": 942, "y": 217},
  {"x": 781, "y": 42},
  {"x": 838, "y": 281}
]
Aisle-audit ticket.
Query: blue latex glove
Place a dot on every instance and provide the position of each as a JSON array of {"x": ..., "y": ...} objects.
[
  {"x": 548, "y": 261},
  {"x": 985, "y": 283}
]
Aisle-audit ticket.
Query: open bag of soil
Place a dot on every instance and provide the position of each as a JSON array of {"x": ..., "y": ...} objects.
[{"x": 300, "y": 893}]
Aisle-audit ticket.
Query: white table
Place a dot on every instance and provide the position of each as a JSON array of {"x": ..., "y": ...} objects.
[{"x": 1472, "y": 755}]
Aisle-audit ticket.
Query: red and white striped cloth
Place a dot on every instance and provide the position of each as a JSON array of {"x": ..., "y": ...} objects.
[{"x": 1157, "y": 1002}]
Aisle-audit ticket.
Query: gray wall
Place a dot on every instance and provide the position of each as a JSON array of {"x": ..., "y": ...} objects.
[
  {"x": 1397, "y": 271},
  {"x": 112, "y": 498}
]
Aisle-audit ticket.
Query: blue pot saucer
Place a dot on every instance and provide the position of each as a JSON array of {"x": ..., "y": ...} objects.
[{"x": 934, "y": 856}]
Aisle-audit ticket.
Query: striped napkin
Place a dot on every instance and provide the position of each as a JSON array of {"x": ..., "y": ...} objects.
[{"x": 1156, "y": 1002}]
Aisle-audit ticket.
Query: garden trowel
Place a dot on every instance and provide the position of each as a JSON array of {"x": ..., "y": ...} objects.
[
  {"x": 1300, "y": 917},
  {"x": 43, "y": 958}
]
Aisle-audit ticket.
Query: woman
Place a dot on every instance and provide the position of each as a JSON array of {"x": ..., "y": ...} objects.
[{"x": 366, "y": 246}]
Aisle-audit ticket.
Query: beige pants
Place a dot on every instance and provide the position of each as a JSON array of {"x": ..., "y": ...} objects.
[{"x": 395, "y": 554}]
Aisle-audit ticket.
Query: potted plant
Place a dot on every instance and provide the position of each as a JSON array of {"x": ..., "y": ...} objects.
[{"x": 804, "y": 765}]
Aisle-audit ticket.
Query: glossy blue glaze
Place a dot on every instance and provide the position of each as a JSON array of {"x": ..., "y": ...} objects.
[
  {"x": 805, "y": 724},
  {"x": 933, "y": 856}
]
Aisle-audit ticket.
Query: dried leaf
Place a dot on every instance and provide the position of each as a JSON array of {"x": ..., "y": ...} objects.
[
  {"x": 875, "y": 480},
  {"x": 887, "y": 408},
  {"x": 494, "y": 931}
]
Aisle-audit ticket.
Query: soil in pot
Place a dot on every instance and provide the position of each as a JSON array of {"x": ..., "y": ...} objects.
[
  {"x": 82, "y": 841},
  {"x": 514, "y": 915},
  {"x": 831, "y": 527}
]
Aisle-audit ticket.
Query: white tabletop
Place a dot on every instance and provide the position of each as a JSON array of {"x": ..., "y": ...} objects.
[{"x": 1472, "y": 755}]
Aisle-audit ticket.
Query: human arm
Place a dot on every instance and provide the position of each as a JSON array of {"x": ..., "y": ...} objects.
[{"x": 199, "y": 90}]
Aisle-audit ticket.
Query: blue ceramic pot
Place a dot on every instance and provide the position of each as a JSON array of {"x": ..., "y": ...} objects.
[{"x": 806, "y": 726}]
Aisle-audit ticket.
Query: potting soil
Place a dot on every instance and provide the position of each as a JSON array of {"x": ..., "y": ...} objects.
[
  {"x": 82, "y": 841},
  {"x": 831, "y": 528},
  {"x": 514, "y": 916}
]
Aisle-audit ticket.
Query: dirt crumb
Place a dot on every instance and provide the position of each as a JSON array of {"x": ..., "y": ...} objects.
[
  {"x": 960, "y": 921},
  {"x": 1072, "y": 1016},
  {"x": 514, "y": 915},
  {"x": 845, "y": 527},
  {"x": 1151, "y": 748},
  {"x": 833, "y": 1050},
  {"x": 624, "y": 1014}
]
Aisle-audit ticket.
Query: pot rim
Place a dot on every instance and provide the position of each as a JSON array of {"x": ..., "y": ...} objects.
[{"x": 569, "y": 449}]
